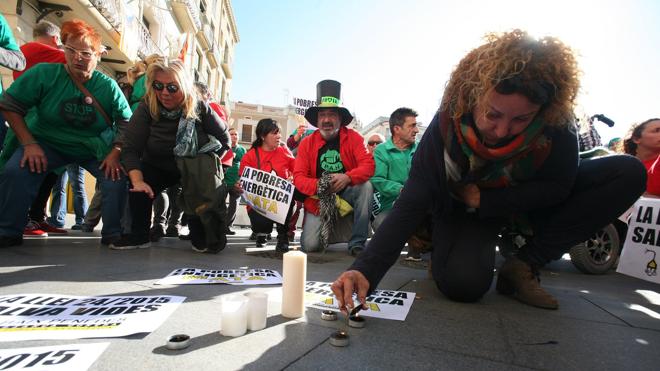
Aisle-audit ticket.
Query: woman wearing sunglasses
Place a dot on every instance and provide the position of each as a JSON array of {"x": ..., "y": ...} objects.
[
  {"x": 63, "y": 114},
  {"x": 168, "y": 121},
  {"x": 501, "y": 151}
]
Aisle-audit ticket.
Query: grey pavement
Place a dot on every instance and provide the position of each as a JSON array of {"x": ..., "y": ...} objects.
[{"x": 609, "y": 322}]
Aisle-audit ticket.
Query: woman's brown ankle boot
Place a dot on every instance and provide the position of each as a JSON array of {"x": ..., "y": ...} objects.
[{"x": 518, "y": 279}]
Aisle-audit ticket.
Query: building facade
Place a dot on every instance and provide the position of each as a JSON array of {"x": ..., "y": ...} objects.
[
  {"x": 202, "y": 32},
  {"x": 245, "y": 116}
]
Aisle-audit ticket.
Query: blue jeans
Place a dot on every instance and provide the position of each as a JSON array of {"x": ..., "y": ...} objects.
[
  {"x": 76, "y": 176},
  {"x": 359, "y": 197},
  {"x": 19, "y": 186}
]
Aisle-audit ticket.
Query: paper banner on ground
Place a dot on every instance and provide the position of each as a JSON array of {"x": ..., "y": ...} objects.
[
  {"x": 387, "y": 304},
  {"x": 641, "y": 251},
  {"x": 49, "y": 316},
  {"x": 266, "y": 193},
  {"x": 72, "y": 357},
  {"x": 197, "y": 276}
]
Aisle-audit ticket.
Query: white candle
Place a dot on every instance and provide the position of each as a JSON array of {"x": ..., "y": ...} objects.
[
  {"x": 257, "y": 310},
  {"x": 234, "y": 315},
  {"x": 294, "y": 275}
]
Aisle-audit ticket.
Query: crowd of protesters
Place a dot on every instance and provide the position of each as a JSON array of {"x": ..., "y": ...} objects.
[{"x": 163, "y": 154}]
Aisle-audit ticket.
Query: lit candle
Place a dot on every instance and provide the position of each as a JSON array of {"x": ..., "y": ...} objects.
[
  {"x": 257, "y": 310},
  {"x": 294, "y": 274},
  {"x": 234, "y": 313}
]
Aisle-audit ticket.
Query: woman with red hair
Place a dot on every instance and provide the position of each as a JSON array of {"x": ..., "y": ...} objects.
[{"x": 63, "y": 114}]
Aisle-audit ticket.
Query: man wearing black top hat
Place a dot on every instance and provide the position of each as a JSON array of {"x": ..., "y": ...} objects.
[{"x": 339, "y": 151}]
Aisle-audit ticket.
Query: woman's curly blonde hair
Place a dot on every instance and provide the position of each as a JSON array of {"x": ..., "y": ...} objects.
[{"x": 543, "y": 70}]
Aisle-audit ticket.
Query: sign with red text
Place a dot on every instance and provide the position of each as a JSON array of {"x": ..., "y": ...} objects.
[
  {"x": 73, "y": 357},
  {"x": 51, "y": 316},
  {"x": 198, "y": 276},
  {"x": 267, "y": 193},
  {"x": 386, "y": 304}
]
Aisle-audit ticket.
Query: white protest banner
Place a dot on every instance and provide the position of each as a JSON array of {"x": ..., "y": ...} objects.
[
  {"x": 267, "y": 193},
  {"x": 301, "y": 105},
  {"x": 73, "y": 357},
  {"x": 51, "y": 316},
  {"x": 196, "y": 276},
  {"x": 638, "y": 258},
  {"x": 386, "y": 304}
]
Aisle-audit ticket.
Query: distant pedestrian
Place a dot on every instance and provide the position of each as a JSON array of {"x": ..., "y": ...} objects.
[{"x": 643, "y": 142}]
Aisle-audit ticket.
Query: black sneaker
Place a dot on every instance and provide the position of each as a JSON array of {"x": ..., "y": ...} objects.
[
  {"x": 269, "y": 237},
  {"x": 130, "y": 242},
  {"x": 261, "y": 241},
  {"x": 172, "y": 231},
  {"x": 9, "y": 241},
  {"x": 108, "y": 240},
  {"x": 253, "y": 237},
  {"x": 87, "y": 228},
  {"x": 355, "y": 250},
  {"x": 156, "y": 233},
  {"x": 282, "y": 246},
  {"x": 229, "y": 232}
]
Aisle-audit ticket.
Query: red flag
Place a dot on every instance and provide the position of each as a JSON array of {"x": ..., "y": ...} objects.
[{"x": 184, "y": 50}]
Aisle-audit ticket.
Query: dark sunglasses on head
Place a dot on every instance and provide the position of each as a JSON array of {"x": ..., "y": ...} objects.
[
  {"x": 374, "y": 142},
  {"x": 159, "y": 86}
]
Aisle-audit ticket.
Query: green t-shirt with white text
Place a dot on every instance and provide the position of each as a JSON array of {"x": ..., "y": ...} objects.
[{"x": 59, "y": 116}]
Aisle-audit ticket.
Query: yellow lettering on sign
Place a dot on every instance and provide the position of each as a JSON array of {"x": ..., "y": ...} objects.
[
  {"x": 255, "y": 278},
  {"x": 273, "y": 207},
  {"x": 374, "y": 307}
]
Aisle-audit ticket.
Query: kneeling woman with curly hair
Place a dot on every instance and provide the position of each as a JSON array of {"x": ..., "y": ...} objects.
[{"x": 501, "y": 151}]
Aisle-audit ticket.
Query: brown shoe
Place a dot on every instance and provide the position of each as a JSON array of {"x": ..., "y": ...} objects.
[{"x": 518, "y": 279}]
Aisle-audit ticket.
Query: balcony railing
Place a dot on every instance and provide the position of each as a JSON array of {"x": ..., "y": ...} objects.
[
  {"x": 226, "y": 64},
  {"x": 187, "y": 14},
  {"x": 147, "y": 45},
  {"x": 205, "y": 36},
  {"x": 213, "y": 57},
  {"x": 111, "y": 10}
]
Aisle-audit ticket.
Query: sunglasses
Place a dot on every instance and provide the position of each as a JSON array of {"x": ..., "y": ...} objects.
[
  {"x": 159, "y": 86},
  {"x": 374, "y": 142}
]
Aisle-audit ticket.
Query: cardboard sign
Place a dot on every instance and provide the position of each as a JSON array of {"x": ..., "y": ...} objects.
[
  {"x": 267, "y": 193},
  {"x": 386, "y": 304},
  {"x": 74, "y": 357},
  {"x": 50, "y": 316},
  {"x": 196, "y": 276},
  {"x": 641, "y": 250}
]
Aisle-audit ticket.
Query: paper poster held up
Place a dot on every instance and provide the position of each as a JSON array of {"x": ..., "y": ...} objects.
[{"x": 641, "y": 250}]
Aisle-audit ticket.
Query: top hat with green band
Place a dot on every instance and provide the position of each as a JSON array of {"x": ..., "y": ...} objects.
[{"x": 328, "y": 95}]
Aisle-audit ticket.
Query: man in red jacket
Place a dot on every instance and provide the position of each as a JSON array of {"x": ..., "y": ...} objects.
[
  {"x": 339, "y": 151},
  {"x": 44, "y": 49}
]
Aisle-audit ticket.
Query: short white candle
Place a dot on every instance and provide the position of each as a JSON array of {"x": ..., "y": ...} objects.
[
  {"x": 294, "y": 275},
  {"x": 234, "y": 313},
  {"x": 257, "y": 310}
]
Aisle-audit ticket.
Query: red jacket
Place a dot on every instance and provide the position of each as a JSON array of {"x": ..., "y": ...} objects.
[
  {"x": 359, "y": 163},
  {"x": 36, "y": 52},
  {"x": 281, "y": 160}
]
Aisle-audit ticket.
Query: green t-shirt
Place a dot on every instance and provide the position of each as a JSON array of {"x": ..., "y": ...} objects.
[
  {"x": 392, "y": 170},
  {"x": 139, "y": 90},
  {"x": 60, "y": 118},
  {"x": 232, "y": 173},
  {"x": 7, "y": 40}
]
